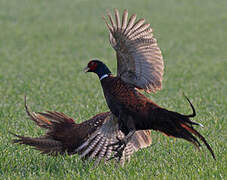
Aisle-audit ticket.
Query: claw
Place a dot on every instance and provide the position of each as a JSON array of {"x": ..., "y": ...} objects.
[
  {"x": 118, "y": 154},
  {"x": 120, "y": 146}
]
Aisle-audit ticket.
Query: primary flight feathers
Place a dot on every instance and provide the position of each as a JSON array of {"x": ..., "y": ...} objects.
[{"x": 139, "y": 59}]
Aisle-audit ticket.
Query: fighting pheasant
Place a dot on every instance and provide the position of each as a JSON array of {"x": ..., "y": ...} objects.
[
  {"x": 65, "y": 136},
  {"x": 139, "y": 67}
]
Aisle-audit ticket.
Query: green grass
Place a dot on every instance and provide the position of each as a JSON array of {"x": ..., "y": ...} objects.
[{"x": 44, "y": 46}]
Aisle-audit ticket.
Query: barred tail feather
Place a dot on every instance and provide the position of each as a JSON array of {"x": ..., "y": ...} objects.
[
  {"x": 43, "y": 144},
  {"x": 38, "y": 119}
]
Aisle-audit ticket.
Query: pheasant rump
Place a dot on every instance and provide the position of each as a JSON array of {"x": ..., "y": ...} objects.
[{"x": 139, "y": 67}]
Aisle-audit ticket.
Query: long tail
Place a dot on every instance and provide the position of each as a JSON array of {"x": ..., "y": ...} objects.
[
  {"x": 57, "y": 124},
  {"x": 180, "y": 126},
  {"x": 44, "y": 144},
  {"x": 41, "y": 121}
]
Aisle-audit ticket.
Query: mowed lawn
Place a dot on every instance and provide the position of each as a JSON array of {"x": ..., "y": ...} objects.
[{"x": 44, "y": 46}]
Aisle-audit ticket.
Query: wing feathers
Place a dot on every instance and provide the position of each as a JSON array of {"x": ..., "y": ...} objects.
[
  {"x": 130, "y": 23},
  {"x": 117, "y": 19},
  {"x": 61, "y": 136},
  {"x": 143, "y": 30},
  {"x": 97, "y": 145},
  {"x": 111, "y": 20},
  {"x": 124, "y": 19},
  {"x": 98, "y": 148},
  {"x": 135, "y": 45},
  {"x": 135, "y": 27}
]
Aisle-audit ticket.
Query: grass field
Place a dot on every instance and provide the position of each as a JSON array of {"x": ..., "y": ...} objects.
[{"x": 44, "y": 46}]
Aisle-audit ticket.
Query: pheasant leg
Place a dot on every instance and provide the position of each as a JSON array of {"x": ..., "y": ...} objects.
[{"x": 120, "y": 145}]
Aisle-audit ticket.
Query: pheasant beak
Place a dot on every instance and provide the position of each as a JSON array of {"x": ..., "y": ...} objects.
[{"x": 86, "y": 69}]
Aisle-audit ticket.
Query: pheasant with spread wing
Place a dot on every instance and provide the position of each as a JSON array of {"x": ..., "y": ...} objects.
[
  {"x": 65, "y": 136},
  {"x": 139, "y": 67}
]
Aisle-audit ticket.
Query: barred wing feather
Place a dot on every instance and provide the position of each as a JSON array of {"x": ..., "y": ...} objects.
[
  {"x": 139, "y": 59},
  {"x": 98, "y": 144}
]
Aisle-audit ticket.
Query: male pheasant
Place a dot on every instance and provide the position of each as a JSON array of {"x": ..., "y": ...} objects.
[{"x": 139, "y": 67}]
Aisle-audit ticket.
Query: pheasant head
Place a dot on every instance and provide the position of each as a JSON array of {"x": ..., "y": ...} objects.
[{"x": 98, "y": 68}]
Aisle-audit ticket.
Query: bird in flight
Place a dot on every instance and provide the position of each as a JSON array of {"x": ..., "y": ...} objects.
[
  {"x": 139, "y": 67},
  {"x": 64, "y": 136}
]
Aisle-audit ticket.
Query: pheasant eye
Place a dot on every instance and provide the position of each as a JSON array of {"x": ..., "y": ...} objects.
[{"x": 92, "y": 66}]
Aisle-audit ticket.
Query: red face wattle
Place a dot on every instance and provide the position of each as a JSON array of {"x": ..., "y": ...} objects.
[{"x": 91, "y": 66}]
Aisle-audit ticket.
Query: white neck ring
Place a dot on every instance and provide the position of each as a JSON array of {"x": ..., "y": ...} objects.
[{"x": 104, "y": 76}]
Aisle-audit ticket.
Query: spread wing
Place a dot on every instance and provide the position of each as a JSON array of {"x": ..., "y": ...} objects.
[
  {"x": 97, "y": 145},
  {"x": 139, "y": 59},
  {"x": 91, "y": 137}
]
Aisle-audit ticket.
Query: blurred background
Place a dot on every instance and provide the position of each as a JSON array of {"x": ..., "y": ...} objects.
[{"x": 44, "y": 46}]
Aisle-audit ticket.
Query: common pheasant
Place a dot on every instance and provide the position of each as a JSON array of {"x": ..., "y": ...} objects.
[
  {"x": 139, "y": 67},
  {"x": 65, "y": 136}
]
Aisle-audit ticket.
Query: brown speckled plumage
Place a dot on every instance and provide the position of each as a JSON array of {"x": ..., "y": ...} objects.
[{"x": 65, "y": 136}]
